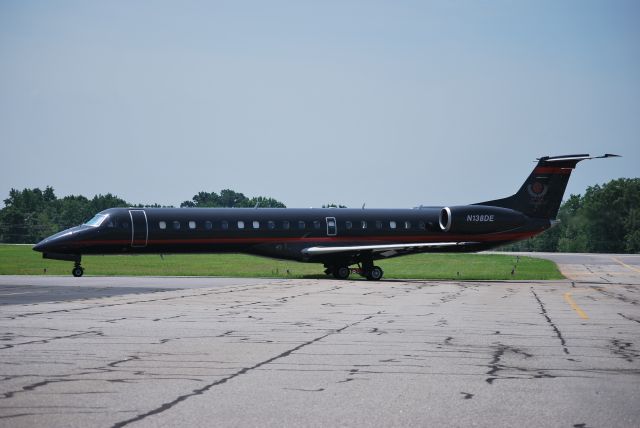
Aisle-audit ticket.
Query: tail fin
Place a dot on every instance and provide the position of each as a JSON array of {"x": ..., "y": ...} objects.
[{"x": 541, "y": 194}]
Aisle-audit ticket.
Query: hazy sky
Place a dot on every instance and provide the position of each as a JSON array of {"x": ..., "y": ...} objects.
[{"x": 392, "y": 103}]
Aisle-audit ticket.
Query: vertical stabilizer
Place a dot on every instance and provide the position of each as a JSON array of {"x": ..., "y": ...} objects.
[{"x": 541, "y": 194}]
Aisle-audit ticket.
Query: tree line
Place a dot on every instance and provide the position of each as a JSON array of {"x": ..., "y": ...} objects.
[
  {"x": 30, "y": 215},
  {"x": 605, "y": 219}
]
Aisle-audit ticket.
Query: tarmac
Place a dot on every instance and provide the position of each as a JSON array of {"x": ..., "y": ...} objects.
[{"x": 147, "y": 352}]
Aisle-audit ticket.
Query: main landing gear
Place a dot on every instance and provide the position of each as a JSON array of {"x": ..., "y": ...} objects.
[
  {"x": 367, "y": 270},
  {"x": 77, "y": 270}
]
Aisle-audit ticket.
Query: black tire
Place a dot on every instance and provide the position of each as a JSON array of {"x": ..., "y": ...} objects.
[
  {"x": 77, "y": 271},
  {"x": 375, "y": 274},
  {"x": 341, "y": 272}
]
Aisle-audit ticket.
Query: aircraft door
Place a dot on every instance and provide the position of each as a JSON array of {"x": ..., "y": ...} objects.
[
  {"x": 332, "y": 228},
  {"x": 139, "y": 228}
]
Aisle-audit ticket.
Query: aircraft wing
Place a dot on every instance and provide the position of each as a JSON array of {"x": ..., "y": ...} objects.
[{"x": 383, "y": 248}]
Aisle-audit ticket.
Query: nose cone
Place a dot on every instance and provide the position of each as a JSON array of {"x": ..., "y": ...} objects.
[
  {"x": 47, "y": 245},
  {"x": 40, "y": 246},
  {"x": 58, "y": 243}
]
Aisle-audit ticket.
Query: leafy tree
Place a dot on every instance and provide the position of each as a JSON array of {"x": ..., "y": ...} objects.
[
  {"x": 606, "y": 210},
  {"x": 102, "y": 202},
  {"x": 632, "y": 226},
  {"x": 22, "y": 218},
  {"x": 263, "y": 202},
  {"x": 203, "y": 199},
  {"x": 229, "y": 199},
  {"x": 32, "y": 214},
  {"x": 73, "y": 210},
  {"x": 151, "y": 206}
]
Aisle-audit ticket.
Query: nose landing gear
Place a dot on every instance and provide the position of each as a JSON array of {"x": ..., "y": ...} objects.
[{"x": 77, "y": 270}]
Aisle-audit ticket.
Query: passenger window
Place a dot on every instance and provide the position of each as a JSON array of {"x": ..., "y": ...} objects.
[
  {"x": 348, "y": 225},
  {"x": 407, "y": 225},
  {"x": 176, "y": 225},
  {"x": 363, "y": 224},
  {"x": 224, "y": 225},
  {"x": 271, "y": 225},
  {"x": 285, "y": 224},
  {"x": 256, "y": 224},
  {"x": 124, "y": 225},
  {"x": 240, "y": 224},
  {"x": 316, "y": 224},
  {"x": 422, "y": 225},
  {"x": 301, "y": 225},
  {"x": 378, "y": 224},
  {"x": 162, "y": 225},
  {"x": 392, "y": 224},
  {"x": 208, "y": 225},
  {"x": 192, "y": 224}
]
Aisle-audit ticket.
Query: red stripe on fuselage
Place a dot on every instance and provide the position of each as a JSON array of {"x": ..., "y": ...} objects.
[{"x": 356, "y": 240}]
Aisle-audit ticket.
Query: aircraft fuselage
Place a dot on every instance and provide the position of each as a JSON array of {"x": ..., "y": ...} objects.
[{"x": 336, "y": 237}]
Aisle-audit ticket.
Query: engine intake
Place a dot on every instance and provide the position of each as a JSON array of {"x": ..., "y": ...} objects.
[{"x": 479, "y": 219}]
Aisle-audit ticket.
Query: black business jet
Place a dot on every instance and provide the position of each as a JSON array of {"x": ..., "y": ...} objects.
[{"x": 338, "y": 238}]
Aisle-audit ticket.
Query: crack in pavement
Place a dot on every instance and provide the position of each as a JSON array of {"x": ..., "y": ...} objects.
[
  {"x": 49, "y": 339},
  {"x": 496, "y": 366},
  {"x": 628, "y": 317},
  {"x": 617, "y": 296},
  {"x": 624, "y": 350},
  {"x": 551, "y": 323},
  {"x": 200, "y": 391},
  {"x": 112, "y": 367}
]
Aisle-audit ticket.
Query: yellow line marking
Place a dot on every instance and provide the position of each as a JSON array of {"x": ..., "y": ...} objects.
[
  {"x": 625, "y": 265},
  {"x": 581, "y": 313}
]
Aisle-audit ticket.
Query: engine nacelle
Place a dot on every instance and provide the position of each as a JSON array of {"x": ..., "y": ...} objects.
[{"x": 479, "y": 219}]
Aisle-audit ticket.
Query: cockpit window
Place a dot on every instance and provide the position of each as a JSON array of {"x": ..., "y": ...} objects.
[{"x": 96, "y": 220}]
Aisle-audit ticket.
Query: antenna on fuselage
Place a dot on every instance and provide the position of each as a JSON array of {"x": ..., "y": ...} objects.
[
  {"x": 256, "y": 207},
  {"x": 364, "y": 205}
]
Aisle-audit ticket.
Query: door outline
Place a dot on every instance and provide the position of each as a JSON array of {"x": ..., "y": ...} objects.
[
  {"x": 135, "y": 243},
  {"x": 332, "y": 230}
]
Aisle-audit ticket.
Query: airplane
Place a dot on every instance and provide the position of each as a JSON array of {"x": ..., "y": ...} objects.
[{"x": 336, "y": 237}]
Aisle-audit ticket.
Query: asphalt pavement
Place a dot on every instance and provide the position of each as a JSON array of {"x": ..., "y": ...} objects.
[{"x": 116, "y": 352}]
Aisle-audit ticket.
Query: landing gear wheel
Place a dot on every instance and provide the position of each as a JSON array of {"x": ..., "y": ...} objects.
[
  {"x": 341, "y": 272},
  {"x": 77, "y": 271},
  {"x": 374, "y": 274}
]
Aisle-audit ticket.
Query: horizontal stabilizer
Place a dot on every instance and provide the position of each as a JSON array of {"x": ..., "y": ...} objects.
[{"x": 576, "y": 157}]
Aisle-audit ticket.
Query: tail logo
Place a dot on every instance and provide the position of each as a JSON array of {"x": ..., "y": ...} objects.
[{"x": 537, "y": 191}]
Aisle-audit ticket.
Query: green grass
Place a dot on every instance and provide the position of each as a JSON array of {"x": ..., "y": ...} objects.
[{"x": 21, "y": 260}]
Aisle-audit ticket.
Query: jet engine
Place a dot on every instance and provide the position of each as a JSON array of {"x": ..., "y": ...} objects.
[{"x": 479, "y": 219}]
